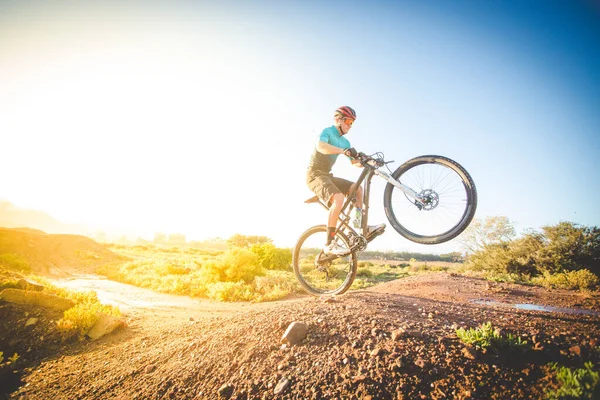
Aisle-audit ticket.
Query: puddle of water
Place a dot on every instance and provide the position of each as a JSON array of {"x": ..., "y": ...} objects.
[{"x": 537, "y": 307}]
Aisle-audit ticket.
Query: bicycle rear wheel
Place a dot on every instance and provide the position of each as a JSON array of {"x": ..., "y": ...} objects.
[
  {"x": 450, "y": 200},
  {"x": 319, "y": 274}
]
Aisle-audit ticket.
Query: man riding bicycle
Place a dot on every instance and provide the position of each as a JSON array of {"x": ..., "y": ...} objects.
[{"x": 332, "y": 190}]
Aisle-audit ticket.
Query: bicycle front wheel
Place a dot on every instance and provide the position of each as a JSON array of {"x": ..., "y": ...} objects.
[
  {"x": 320, "y": 274},
  {"x": 449, "y": 200}
]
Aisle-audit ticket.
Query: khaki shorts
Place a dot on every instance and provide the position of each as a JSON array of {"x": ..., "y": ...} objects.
[{"x": 325, "y": 186}]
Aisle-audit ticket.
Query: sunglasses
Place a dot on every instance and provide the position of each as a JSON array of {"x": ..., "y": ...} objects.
[{"x": 348, "y": 121}]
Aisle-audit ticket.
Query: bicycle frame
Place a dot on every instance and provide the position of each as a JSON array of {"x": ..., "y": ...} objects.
[{"x": 369, "y": 170}]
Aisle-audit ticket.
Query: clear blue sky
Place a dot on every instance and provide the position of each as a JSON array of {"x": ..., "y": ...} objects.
[{"x": 199, "y": 117}]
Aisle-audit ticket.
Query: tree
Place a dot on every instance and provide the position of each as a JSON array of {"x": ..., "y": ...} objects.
[
  {"x": 455, "y": 257},
  {"x": 160, "y": 238},
  {"x": 176, "y": 239},
  {"x": 482, "y": 233},
  {"x": 569, "y": 246},
  {"x": 244, "y": 241},
  {"x": 557, "y": 248}
]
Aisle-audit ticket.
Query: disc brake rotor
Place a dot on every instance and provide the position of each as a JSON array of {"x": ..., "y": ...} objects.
[{"x": 429, "y": 198}]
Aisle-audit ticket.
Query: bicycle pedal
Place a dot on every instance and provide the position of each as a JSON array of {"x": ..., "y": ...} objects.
[{"x": 375, "y": 233}]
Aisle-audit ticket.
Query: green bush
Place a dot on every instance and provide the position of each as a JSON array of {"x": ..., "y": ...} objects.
[
  {"x": 581, "y": 383},
  {"x": 12, "y": 360},
  {"x": 229, "y": 291},
  {"x": 239, "y": 265},
  {"x": 565, "y": 255},
  {"x": 582, "y": 280},
  {"x": 480, "y": 338},
  {"x": 364, "y": 273},
  {"x": 486, "y": 336},
  {"x": 9, "y": 283},
  {"x": 271, "y": 257},
  {"x": 82, "y": 317},
  {"x": 274, "y": 286},
  {"x": 14, "y": 262}
]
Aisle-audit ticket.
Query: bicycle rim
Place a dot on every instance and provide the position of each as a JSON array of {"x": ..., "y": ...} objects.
[
  {"x": 451, "y": 200},
  {"x": 322, "y": 278}
]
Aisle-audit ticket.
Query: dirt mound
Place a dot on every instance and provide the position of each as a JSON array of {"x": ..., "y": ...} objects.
[
  {"x": 52, "y": 254},
  {"x": 378, "y": 343}
]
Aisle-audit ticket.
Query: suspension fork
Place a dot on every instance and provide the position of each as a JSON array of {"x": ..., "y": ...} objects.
[{"x": 405, "y": 189}]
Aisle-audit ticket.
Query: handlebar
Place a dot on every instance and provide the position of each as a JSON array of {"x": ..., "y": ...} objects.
[{"x": 374, "y": 161}]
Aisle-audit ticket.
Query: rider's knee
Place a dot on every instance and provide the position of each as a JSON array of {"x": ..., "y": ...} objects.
[{"x": 337, "y": 200}]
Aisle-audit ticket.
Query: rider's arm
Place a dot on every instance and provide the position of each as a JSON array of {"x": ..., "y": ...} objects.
[{"x": 326, "y": 148}]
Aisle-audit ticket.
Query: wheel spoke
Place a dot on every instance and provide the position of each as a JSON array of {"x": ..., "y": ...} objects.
[
  {"x": 322, "y": 277},
  {"x": 449, "y": 200}
]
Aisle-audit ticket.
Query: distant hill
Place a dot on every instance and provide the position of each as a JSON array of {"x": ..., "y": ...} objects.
[
  {"x": 12, "y": 216},
  {"x": 31, "y": 250}
]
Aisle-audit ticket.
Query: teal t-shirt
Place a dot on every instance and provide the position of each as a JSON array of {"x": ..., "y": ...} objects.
[{"x": 322, "y": 163}]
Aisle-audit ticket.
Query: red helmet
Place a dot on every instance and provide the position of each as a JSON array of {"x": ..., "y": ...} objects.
[{"x": 347, "y": 112}]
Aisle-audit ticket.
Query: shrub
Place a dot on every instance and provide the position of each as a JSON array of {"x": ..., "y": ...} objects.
[
  {"x": 480, "y": 338},
  {"x": 9, "y": 283},
  {"x": 11, "y": 360},
  {"x": 565, "y": 255},
  {"x": 82, "y": 317},
  {"x": 582, "y": 383},
  {"x": 582, "y": 280},
  {"x": 569, "y": 246},
  {"x": 229, "y": 291},
  {"x": 271, "y": 257},
  {"x": 274, "y": 286},
  {"x": 14, "y": 262},
  {"x": 486, "y": 336},
  {"x": 239, "y": 265},
  {"x": 364, "y": 273}
]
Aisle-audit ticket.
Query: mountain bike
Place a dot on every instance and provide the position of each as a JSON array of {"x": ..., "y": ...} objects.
[{"x": 428, "y": 199}]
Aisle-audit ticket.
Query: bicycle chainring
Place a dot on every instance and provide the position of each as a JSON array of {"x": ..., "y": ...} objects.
[{"x": 358, "y": 243}]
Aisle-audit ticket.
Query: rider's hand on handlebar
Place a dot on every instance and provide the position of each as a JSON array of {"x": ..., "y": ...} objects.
[{"x": 351, "y": 152}]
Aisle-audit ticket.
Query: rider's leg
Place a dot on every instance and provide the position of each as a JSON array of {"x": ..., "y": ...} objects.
[
  {"x": 359, "y": 196},
  {"x": 359, "y": 205},
  {"x": 337, "y": 202}
]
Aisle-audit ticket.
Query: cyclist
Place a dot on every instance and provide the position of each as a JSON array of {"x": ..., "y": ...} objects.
[{"x": 330, "y": 189}]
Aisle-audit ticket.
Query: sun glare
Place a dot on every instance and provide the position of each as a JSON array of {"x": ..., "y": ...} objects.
[{"x": 144, "y": 133}]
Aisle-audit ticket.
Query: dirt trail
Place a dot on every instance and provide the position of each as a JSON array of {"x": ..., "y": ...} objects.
[
  {"x": 395, "y": 340},
  {"x": 138, "y": 303}
]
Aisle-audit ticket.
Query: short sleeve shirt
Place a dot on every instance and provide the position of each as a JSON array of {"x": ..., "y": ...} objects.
[{"x": 322, "y": 163}]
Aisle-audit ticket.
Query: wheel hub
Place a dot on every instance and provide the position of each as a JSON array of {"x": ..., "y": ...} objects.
[{"x": 429, "y": 198}]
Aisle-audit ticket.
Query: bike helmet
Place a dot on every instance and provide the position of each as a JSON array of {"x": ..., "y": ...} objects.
[{"x": 346, "y": 112}]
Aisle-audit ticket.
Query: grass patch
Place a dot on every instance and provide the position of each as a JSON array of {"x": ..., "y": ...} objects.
[
  {"x": 369, "y": 274},
  {"x": 234, "y": 275}
]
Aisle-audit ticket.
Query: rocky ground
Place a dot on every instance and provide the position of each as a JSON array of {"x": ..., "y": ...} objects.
[{"x": 396, "y": 340}]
